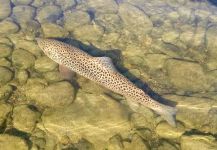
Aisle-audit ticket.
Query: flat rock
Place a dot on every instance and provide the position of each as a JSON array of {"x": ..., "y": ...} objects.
[
  {"x": 49, "y": 13},
  {"x": 5, "y": 9},
  {"x": 134, "y": 19},
  {"x": 10, "y": 142},
  {"x": 75, "y": 19},
  {"x": 187, "y": 76},
  {"x": 53, "y": 95},
  {"x": 79, "y": 120},
  {"x": 21, "y": 2},
  {"x": 137, "y": 143},
  {"x": 65, "y": 4},
  {"x": 198, "y": 142},
  {"x": 23, "y": 14},
  {"x": 4, "y": 110},
  {"x": 48, "y": 29},
  {"x": 5, "y": 75},
  {"x": 25, "y": 118},
  {"x": 101, "y": 6},
  {"x": 19, "y": 59},
  {"x": 195, "y": 112},
  {"x": 5, "y": 92},
  {"x": 5, "y": 50},
  {"x": 4, "y": 62},
  {"x": 8, "y": 27},
  {"x": 45, "y": 64},
  {"x": 164, "y": 130}
]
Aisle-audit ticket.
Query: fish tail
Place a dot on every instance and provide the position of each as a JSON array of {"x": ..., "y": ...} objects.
[{"x": 168, "y": 113}]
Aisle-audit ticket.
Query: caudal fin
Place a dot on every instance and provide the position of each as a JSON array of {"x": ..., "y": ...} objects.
[{"x": 168, "y": 113}]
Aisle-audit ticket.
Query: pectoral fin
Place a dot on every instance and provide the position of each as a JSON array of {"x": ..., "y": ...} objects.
[
  {"x": 66, "y": 73},
  {"x": 106, "y": 62}
]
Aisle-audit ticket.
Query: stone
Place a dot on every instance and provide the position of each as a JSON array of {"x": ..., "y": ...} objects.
[
  {"x": 5, "y": 50},
  {"x": 196, "y": 112},
  {"x": 5, "y": 9},
  {"x": 5, "y": 75},
  {"x": 22, "y": 76},
  {"x": 4, "y": 62},
  {"x": 111, "y": 22},
  {"x": 166, "y": 146},
  {"x": 5, "y": 109},
  {"x": 53, "y": 95},
  {"x": 78, "y": 120},
  {"x": 88, "y": 33},
  {"x": 115, "y": 143},
  {"x": 48, "y": 29},
  {"x": 65, "y": 4},
  {"x": 29, "y": 46},
  {"x": 8, "y": 27},
  {"x": 6, "y": 40},
  {"x": 25, "y": 118},
  {"x": 45, "y": 64},
  {"x": 5, "y": 92},
  {"x": 52, "y": 76},
  {"x": 21, "y": 2},
  {"x": 211, "y": 45},
  {"x": 136, "y": 143},
  {"x": 184, "y": 13},
  {"x": 40, "y": 3},
  {"x": 23, "y": 14},
  {"x": 170, "y": 37},
  {"x": 173, "y": 16},
  {"x": 101, "y": 6},
  {"x": 10, "y": 142},
  {"x": 49, "y": 13},
  {"x": 187, "y": 76},
  {"x": 23, "y": 59},
  {"x": 75, "y": 19},
  {"x": 198, "y": 142},
  {"x": 164, "y": 130},
  {"x": 135, "y": 20}
]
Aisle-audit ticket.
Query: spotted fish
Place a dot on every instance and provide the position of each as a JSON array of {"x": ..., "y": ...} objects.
[{"x": 102, "y": 71}]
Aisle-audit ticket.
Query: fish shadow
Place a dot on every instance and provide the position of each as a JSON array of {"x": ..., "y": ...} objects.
[{"x": 117, "y": 59}]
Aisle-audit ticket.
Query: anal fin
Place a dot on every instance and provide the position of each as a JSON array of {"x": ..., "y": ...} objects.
[{"x": 66, "y": 73}]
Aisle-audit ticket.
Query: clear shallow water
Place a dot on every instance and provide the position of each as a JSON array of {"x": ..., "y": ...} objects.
[{"x": 168, "y": 48}]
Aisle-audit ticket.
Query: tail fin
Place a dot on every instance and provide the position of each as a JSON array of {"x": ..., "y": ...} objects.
[{"x": 168, "y": 113}]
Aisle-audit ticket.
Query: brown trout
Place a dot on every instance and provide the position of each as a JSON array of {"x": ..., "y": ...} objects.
[{"x": 102, "y": 71}]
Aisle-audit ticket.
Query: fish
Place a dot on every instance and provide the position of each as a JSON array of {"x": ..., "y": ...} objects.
[{"x": 101, "y": 70}]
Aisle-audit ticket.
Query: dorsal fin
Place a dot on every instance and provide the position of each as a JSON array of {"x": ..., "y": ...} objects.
[{"x": 106, "y": 62}]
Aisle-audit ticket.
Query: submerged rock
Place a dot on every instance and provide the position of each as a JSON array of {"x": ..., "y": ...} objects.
[
  {"x": 164, "y": 130},
  {"x": 5, "y": 75},
  {"x": 52, "y": 76},
  {"x": 134, "y": 19},
  {"x": 53, "y": 95},
  {"x": 23, "y": 14},
  {"x": 4, "y": 110},
  {"x": 21, "y": 2},
  {"x": 4, "y": 62},
  {"x": 22, "y": 59},
  {"x": 49, "y": 13},
  {"x": 5, "y": 50},
  {"x": 136, "y": 143},
  {"x": 22, "y": 76},
  {"x": 5, "y": 92},
  {"x": 8, "y": 27},
  {"x": 25, "y": 118},
  {"x": 198, "y": 142},
  {"x": 115, "y": 143},
  {"x": 48, "y": 29},
  {"x": 187, "y": 76},
  {"x": 66, "y": 4},
  {"x": 166, "y": 146},
  {"x": 93, "y": 117},
  {"x": 45, "y": 64},
  {"x": 75, "y": 19},
  {"x": 5, "y": 9},
  {"x": 10, "y": 142},
  {"x": 196, "y": 113}
]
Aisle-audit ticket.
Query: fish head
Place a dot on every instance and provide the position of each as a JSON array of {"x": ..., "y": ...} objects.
[{"x": 50, "y": 48}]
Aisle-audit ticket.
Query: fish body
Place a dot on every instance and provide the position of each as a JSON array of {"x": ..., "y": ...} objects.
[{"x": 102, "y": 71}]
